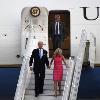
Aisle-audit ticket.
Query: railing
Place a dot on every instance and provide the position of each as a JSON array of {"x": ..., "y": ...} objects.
[
  {"x": 78, "y": 67},
  {"x": 92, "y": 50},
  {"x": 25, "y": 72},
  {"x": 72, "y": 80},
  {"x": 23, "y": 79},
  {"x": 68, "y": 79}
]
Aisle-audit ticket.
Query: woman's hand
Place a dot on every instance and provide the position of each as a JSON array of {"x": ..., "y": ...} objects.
[{"x": 48, "y": 67}]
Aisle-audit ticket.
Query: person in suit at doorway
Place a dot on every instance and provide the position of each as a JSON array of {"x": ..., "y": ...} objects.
[
  {"x": 56, "y": 32},
  {"x": 40, "y": 59}
]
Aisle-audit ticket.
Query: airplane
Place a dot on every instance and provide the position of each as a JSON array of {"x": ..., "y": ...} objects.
[
  {"x": 23, "y": 22},
  {"x": 83, "y": 15}
]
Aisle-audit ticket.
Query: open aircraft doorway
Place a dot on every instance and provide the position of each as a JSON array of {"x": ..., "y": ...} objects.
[{"x": 63, "y": 41}]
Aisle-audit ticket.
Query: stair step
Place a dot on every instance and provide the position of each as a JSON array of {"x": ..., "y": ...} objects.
[
  {"x": 48, "y": 87},
  {"x": 52, "y": 66},
  {"x": 48, "y": 76},
  {"x": 47, "y": 81},
  {"x": 45, "y": 93},
  {"x": 43, "y": 89},
  {"x": 31, "y": 97},
  {"x": 50, "y": 71}
]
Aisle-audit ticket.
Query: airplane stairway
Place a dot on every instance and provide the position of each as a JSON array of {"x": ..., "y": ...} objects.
[
  {"x": 25, "y": 86},
  {"x": 70, "y": 83},
  {"x": 48, "y": 86}
]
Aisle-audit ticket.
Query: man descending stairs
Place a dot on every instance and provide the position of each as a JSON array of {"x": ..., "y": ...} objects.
[{"x": 48, "y": 93}]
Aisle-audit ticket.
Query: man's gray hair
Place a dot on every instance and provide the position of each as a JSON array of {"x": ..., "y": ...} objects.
[{"x": 40, "y": 42}]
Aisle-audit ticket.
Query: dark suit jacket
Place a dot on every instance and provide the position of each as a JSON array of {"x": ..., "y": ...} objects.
[
  {"x": 39, "y": 64},
  {"x": 52, "y": 30}
]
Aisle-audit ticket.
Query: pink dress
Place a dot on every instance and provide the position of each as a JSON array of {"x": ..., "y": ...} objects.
[{"x": 58, "y": 68}]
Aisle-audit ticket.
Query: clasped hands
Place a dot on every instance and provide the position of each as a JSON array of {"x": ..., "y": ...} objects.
[{"x": 49, "y": 66}]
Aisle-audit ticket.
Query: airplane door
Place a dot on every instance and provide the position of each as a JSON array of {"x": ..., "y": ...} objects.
[
  {"x": 34, "y": 25},
  {"x": 65, "y": 41}
]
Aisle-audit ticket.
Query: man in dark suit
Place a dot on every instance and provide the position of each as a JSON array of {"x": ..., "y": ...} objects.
[
  {"x": 57, "y": 33},
  {"x": 40, "y": 59}
]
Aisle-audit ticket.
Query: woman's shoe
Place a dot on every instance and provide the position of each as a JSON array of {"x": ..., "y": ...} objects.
[
  {"x": 55, "y": 94},
  {"x": 59, "y": 93}
]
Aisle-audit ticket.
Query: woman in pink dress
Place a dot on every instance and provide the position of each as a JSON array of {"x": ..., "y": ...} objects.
[{"x": 58, "y": 69}]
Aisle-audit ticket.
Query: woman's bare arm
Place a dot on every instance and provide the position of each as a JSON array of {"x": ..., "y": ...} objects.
[{"x": 64, "y": 60}]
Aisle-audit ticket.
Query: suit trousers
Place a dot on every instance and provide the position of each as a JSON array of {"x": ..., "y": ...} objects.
[
  {"x": 39, "y": 82},
  {"x": 57, "y": 42}
]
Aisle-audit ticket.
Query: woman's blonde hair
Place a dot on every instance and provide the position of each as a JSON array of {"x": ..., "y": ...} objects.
[{"x": 58, "y": 51}]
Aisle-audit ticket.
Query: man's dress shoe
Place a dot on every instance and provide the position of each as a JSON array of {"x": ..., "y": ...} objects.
[{"x": 36, "y": 95}]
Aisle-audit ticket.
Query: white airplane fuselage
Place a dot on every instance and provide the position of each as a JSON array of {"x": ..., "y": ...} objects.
[{"x": 83, "y": 15}]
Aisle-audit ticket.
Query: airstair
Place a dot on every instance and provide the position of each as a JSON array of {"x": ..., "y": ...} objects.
[{"x": 71, "y": 77}]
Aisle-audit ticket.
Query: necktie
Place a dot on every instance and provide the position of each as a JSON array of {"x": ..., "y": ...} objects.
[
  {"x": 57, "y": 28},
  {"x": 40, "y": 53}
]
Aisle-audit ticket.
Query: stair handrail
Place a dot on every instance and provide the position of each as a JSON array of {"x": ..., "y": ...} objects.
[
  {"x": 23, "y": 79},
  {"x": 78, "y": 67},
  {"x": 71, "y": 87},
  {"x": 92, "y": 50},
  {"x": 69, "y": 73},
  {"x": 25, "y": 72}
]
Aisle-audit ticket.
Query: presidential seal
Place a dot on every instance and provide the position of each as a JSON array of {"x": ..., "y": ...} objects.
[{"x": 35, "y": 11}]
